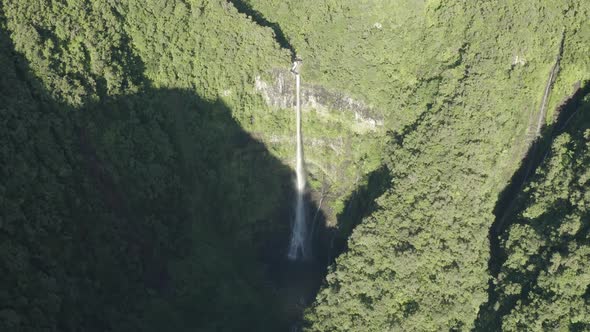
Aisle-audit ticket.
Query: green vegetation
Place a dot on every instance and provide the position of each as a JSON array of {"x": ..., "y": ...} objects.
[
  {"x": 457, "y": 101},
  {"x": 144, "y": 171},
  {"x": 125, "y": 206},
  {"x": 544, "y": 277}
]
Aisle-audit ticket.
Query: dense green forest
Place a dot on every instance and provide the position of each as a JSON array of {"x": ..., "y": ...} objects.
[
  {"x": 126, "y": 204},
  {"x": 544, "y": 278},
  {"x": 146, "y": 159}
]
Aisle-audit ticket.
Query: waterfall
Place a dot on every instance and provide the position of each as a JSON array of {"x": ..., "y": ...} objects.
[{"x": 298, "y": 243}]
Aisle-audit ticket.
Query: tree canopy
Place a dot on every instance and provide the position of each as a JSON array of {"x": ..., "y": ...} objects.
[{"x": 145, "y": 179}]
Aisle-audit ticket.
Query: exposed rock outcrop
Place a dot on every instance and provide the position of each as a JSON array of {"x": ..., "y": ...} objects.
[{"x": 280, "y": 94}]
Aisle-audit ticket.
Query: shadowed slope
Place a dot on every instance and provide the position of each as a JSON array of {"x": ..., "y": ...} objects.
[{"x": 138, "y": 212}]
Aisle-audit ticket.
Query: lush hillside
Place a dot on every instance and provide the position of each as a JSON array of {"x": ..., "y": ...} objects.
[
  {"x": 127, "y": 202},
  {"x": 145, "y": 152},
  {"x": 461, "y": 84},
  {"x": 544, "y": 276}
]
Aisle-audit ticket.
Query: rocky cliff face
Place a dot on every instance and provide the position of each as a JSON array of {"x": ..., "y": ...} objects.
[
  {"x": 341, "y": 137},
  {"x": 279, "y": 93}
]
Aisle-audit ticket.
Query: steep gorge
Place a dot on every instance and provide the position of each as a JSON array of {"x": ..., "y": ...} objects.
[{"x": 148, "y": 161}]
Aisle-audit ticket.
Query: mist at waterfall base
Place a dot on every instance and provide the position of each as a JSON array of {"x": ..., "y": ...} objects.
[{"x": 298, "y": 248}]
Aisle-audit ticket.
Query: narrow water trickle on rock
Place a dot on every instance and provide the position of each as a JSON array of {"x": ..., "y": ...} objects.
[{"x": 298, "y": 248}]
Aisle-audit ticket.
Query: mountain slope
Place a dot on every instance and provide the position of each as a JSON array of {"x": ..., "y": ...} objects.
[{"x": 420, "y": 261}]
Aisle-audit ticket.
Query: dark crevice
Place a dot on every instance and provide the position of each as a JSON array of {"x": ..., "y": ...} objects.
[
  {"x": 360, "y": 204},
  {"x": 535, "y": 155},
  {"x": 244, "y": 7},
  {"x": 400, "y": 135},
  {"x": 489, "y": 318},
  {"x": 532, "y": 159}
]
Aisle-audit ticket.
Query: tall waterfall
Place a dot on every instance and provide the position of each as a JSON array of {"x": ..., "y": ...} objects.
[{"x": 298, "y": 244}]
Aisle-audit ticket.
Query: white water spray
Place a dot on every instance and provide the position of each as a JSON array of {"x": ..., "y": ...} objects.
[{"x": 297, "y": 246}]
